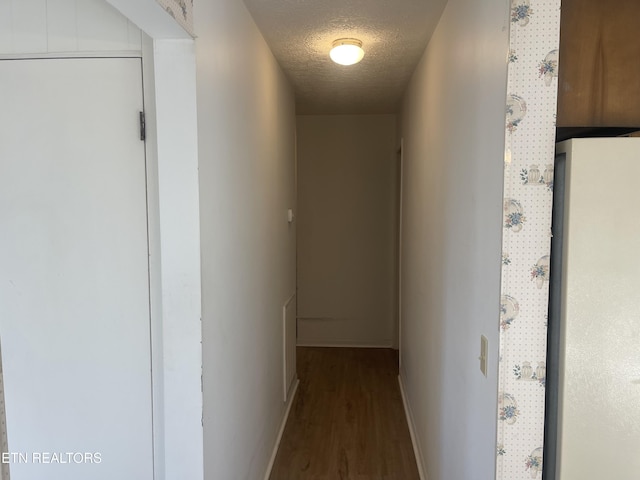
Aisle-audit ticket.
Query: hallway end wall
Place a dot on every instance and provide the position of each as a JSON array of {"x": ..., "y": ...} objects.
[
  {"x": 346, "y": 229},
  {"x": 452, "y": 127},
  {"x": 246, "y": 137}
]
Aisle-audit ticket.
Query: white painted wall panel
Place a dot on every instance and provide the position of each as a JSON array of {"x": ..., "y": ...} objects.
[
  {"x": 30, "y": 25},
  {"x": 135, "y": 36},
  {"x": 100, "y": 27},
  {"x": 65, "y": 26},
  {"x": 6, "y": 26},
  {"x": 62, "y": 28}
]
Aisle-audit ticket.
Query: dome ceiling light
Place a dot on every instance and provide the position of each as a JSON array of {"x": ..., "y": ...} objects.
[{"x": 347, "y": 51}]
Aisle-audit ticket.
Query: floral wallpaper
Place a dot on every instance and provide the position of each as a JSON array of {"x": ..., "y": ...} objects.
[
  {"x": 181, "y": 10},
  {"x": 4, "y": 447},
  {"x": 528, "y": 185}
]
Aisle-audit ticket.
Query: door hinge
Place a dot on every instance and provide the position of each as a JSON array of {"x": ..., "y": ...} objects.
[{"x": 143, "y": 127}]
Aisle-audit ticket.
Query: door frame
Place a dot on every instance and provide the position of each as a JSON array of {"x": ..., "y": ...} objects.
[{"x": 177, "y": 402}]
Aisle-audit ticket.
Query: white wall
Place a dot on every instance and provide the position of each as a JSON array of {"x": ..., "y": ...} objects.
[
  {"x": 346, "y": 221},
  {"x": 65, "y": 26},
  {"x": 246, "y": 125},
  {"x": 453, "y": 128}
]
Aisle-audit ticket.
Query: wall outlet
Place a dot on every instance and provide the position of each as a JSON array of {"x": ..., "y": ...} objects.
[{"x": 484, "y": 353}]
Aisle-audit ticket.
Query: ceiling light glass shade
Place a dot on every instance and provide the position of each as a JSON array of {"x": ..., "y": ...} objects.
[{"x": 347, "y": 51}]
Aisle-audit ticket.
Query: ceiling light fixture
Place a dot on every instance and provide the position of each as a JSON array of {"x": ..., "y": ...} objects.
[{"x": 347, "y": 51}]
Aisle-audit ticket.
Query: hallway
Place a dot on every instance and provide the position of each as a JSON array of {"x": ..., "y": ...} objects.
[
  {"x": 347, "y": 421},
  {"x": 437, "y": 227}
]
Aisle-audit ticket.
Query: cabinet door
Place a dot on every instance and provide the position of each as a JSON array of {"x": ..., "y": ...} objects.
[{"x": 599, "y": 71}]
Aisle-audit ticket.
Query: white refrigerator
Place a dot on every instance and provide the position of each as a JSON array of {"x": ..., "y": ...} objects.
[{"x": 593, "y": 398}]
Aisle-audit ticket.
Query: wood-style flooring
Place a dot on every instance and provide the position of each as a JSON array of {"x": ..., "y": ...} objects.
[{"x": 347, "y": 421}]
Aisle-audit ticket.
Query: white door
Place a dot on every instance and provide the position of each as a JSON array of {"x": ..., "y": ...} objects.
[{"x": 74, "y": 289}]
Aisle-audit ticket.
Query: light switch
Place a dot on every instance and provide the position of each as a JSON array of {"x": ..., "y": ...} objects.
[
  {"x": 290, "y": 215},
  {"x": 484, "y": 353}
]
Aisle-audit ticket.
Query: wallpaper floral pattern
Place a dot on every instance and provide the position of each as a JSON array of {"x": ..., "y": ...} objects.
[
  {"x": 181, "y": 10},
  {"x": 528, "y": 185}
]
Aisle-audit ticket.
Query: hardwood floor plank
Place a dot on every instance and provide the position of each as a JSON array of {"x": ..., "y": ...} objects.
[{"x": 347, "y": 421}]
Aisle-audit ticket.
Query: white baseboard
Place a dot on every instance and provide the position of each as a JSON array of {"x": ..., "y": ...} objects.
[
  {"x": 343, "y": 345},
  {"x": 282, "y": 427},
  {"x": 412, "y": 431}
]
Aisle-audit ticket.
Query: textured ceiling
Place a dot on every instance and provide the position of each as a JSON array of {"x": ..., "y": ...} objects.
[{"x": 394, "y": 34}]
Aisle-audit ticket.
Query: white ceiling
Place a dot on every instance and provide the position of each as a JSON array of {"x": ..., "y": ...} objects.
[{"x": 394, "y": 34}]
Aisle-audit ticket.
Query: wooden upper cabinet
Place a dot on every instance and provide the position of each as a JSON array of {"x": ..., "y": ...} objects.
[{"x": 599, "y": 69}]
